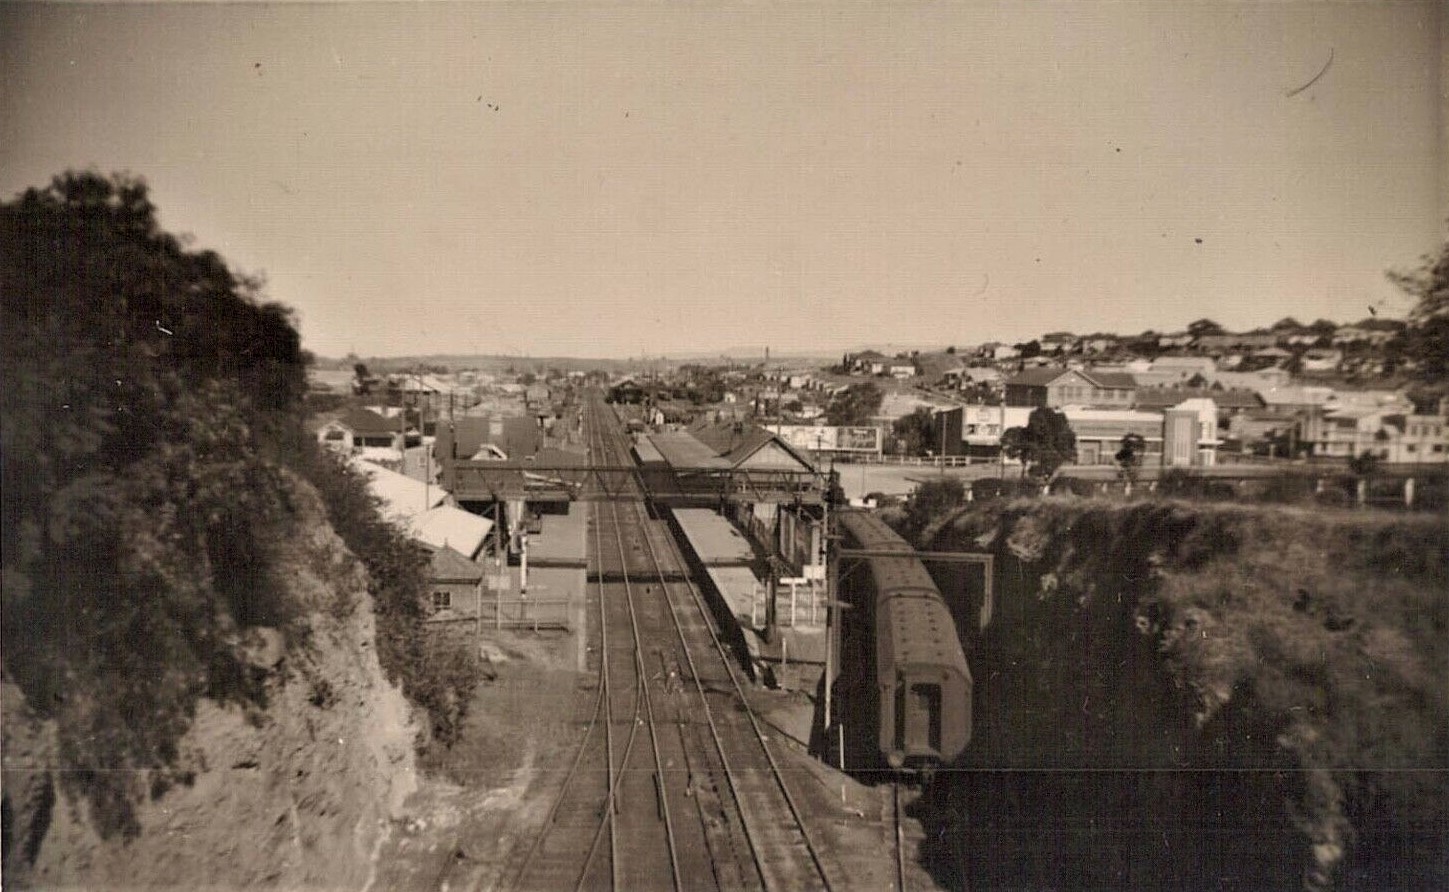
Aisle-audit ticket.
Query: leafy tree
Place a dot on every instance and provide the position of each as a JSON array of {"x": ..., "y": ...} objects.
[
  {"x": 1029, "y": 350},
  {"x": 1205, "y": 327},
  {"x": 1287, "y": 323},
  {"x": 1044, "y": 445},
  {"x": 1129, "y": 456},
  {"x": 915, "y": 433},
  {"x": 149, "y": 395},
  {"x": 951, "y": 351},
  {"x": 855, "y": 406},
  {"x": 1364, "y": 464},
  {"x": 932, "y": 500},
  {"x": 1425, "y": 340},
  {"x": 1323, "y": 327}
]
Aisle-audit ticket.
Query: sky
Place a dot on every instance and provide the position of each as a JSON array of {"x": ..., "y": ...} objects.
[{"x": 641, "y": 179}]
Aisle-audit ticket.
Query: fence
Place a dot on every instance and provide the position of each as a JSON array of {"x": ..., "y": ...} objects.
[{"x": 1410, "y": 492}]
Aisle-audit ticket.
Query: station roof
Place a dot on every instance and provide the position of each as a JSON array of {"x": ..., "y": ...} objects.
[
  {"x": 682, "y": 450},
  {"x": 714, "y": 540}
]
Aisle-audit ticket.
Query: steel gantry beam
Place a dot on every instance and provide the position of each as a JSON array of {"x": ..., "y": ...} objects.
[{"x": 490, "y": 480}]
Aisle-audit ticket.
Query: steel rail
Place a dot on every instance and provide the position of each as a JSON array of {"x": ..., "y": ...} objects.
[
  {"x": 601, "y": 707},
  {"x": 754, "y": 724},
  {"x": 900, "y": 838},
  {"x": 648, "y": 705},
  {"x": 642, "y": 688}
]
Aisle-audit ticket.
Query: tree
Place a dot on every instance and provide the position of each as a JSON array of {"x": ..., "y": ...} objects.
[
  {"x": 1425, "y": 340},
  {"x": 931, "y": 501},
  {"x": 1287, "y": 323},
  {"x": 1205, "y": 327},
  {"x": 149, "y": 395},
  {"x": 951, "y": 351},
  {"x": 1029, "y": 350},
  {"x": 915, "y": 433},
  {"x": 1129, "y": 458},
  {"x": 855, "y": 406},
  {"x": 1043, "y": 446}
]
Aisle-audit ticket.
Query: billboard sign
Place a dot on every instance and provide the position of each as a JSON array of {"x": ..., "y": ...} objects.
[{"x": 832, "y": 439}]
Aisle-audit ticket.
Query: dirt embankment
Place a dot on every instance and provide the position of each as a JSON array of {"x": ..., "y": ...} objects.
[
  {"x": 1177, "y": 695},
  {"x": 297, "y": 795}
]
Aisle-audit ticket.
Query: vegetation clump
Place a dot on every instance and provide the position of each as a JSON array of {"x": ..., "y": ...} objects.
[
  {"x": 1258, "y": 694},
  {"x": 151, "y": 428}
]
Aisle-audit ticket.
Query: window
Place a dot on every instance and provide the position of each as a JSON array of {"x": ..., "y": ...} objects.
[
  {"x": 1438, "y": 447},
  {"x": 442, "y": 600}
]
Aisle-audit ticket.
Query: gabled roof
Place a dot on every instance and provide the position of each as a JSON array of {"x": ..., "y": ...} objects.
[
  {"x": 1036, "y": 377},
  {"x": 367, "y": 422},
  {"x": 450, "y": 566},
  {"x": 1115, "y": 380},
  {"x": 446, "y": 527}
]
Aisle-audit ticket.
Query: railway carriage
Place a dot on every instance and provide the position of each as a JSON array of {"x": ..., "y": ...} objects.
[{"x": 913, "y": 682}]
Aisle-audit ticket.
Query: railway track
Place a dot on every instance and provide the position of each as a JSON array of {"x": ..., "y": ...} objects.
[{"x": 673, "y": 785}]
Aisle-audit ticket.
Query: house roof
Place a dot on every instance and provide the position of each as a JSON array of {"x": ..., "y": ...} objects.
[
  {"x": 1035, "y": 377},
  {"x": 446, "y": 527},
  {"x": 1118, "y": 380},
  {"x": 1162, "y": 397},
  {"x": 520, "y": 437},
  {"x": 367, "y": 422},
  {"x": 402, "y": 497},
  {"x": 1045, "y": 376},
  {"x": 450, "y": 566}
]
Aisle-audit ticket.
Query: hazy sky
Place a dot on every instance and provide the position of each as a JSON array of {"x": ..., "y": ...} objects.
[{"x": 611, "y": 179}]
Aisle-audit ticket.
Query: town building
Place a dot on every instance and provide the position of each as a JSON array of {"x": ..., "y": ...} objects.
[{"x": 1058, "y": 387}]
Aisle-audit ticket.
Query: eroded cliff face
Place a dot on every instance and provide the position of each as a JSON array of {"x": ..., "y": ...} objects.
[
  {"x": 299, "y": 794},
  {"x": 1177, "y": 695}
]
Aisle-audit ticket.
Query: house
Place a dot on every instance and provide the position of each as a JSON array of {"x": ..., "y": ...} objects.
[
  {"x": 1058, "y": 342},
  {"x": 900, "y": 368},
  {"x": 1346, "y": 428},
  {"x": 868, "y": 362},
  {"x": 1354, "y": 334},
  {"x": 1001, "y": 352},
  {"x": 357, "y": 429},
  {"x": 938, "y": 367},
  {"x": 1321, "y": 359},
  {"x": 455, "y": 587},
  {"x": 1098, "y": 344},
  {"x": 1057, "y": 387},
  {"x": 1179, "y": 339},
  {"x": 1225, "y": 342}
]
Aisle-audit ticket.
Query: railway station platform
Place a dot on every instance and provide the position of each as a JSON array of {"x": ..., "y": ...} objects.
[{"x": 794, "y": 658}]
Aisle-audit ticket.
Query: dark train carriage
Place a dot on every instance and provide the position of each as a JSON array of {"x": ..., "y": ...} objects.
[
  {"x": 923, "y": 683},
  {"x": 914, "y": 684}
]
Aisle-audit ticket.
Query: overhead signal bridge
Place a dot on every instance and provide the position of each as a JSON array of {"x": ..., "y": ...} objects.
[{"x": 481, "y": 481}]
